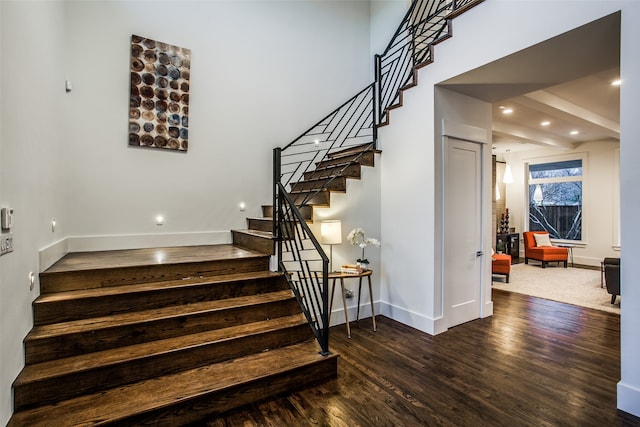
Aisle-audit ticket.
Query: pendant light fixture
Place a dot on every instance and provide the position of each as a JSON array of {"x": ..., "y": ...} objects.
[
  {"x": 508, "y": 176},
  {"x": 537, "y": 195}
]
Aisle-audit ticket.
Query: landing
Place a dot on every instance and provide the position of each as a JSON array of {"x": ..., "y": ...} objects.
[{"x": 77, "y": 261}]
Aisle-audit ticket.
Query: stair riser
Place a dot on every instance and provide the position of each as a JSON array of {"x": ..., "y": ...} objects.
[
  {"x": 335, "y": 184},
  {"x": 257, "y": 224},
  {"x": 68, "y": 386},
  {"x": 43, "y": 349},
  {"x": 306, "y": 211},
  {"x": 261, "y": 224},
  {"x": 354, "y": 149},
  {"x": 322, "y": 198},
  {"x": 267, "y": 211},
  {"x": 351, "y": 171},
  {"x": 254, "y": 243},
  {"x": 201, "y": 408},
  {"x": 365, "y": 159},
  {"x": 68, "y": 281},
  {"x": 68, "y": 310}
]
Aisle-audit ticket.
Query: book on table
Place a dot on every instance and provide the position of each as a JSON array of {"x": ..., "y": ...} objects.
[{"x": 350, "y": 269}]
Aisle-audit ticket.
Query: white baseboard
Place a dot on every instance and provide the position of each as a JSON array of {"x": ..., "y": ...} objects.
[
  {"x": 628, "y": 399},
  {"x": 337, "y": 315},
  {"x": 52, "y": 253},
  {"x": 49, "y": 255},
  {"x": 431, "y": 326},
  {"x": 487, "y": 310}
]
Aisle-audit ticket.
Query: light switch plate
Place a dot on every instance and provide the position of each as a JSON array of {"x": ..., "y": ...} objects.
[{"x": 6, "y": 243}]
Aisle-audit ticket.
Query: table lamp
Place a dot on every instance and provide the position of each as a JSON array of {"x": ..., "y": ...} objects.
[{"x": 331, "y": 234}]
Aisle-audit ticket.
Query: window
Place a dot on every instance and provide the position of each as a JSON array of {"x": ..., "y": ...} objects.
[{"x": 555, "y": 198}]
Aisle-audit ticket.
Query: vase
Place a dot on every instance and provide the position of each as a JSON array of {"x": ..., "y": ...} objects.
[{"x": 363, "y": 265}]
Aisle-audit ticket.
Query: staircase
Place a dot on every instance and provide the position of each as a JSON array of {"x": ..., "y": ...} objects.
[
  {"x": 175, "y": 335},
  {"x": 313, "y": 190},
  {"x": 164, "y": 336}
]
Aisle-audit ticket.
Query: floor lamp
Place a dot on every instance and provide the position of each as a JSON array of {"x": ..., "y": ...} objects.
[{"x": 331, "y": 234}]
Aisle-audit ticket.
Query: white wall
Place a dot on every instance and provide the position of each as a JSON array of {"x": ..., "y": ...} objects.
[
  {"x": 482, "y": 35},
  {"x": 629, "y": 385},
  {"x": 2, "y": 320},
  {"x": 386, "y": 16},
  {"x": 410, "y": 194},
  {"x": 262, "y": 73},
  {"x": 599, "y": 186},
  {"x": 32, "y": 146}
]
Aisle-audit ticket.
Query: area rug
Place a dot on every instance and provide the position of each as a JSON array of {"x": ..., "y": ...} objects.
[{"x": 577, "y": 286}]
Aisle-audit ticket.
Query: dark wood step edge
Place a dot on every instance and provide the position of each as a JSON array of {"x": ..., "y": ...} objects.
[
  {"x": 116, "y": 276},
  {"x": 61, "y": 379},
  {"x": 84, "y": 303},
  {"x": 234, "y": 386},
  {"x": 88, "y": 335}
]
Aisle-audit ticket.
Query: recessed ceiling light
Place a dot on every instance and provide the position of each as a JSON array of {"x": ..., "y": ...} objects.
[
  {"x": 545, "y": 123},
  {"x": 507, "y": 111},
  {"x": 617, "y": 82},
  {"x": 574, "y": 132}
]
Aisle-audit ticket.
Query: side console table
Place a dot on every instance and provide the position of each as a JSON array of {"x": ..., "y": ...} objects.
[{"x": 341, "y": 276}]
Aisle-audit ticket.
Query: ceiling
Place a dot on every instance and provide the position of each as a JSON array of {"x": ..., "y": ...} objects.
[{"x": 565, "y": 80}]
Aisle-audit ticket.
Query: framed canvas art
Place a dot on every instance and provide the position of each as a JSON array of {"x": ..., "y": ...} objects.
[{"x": 159, "y": 100}]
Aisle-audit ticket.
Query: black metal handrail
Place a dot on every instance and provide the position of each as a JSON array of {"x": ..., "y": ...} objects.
[
  {"x": 305, "y": 266},
  {"x": 355, "y": 121},
  {"x": 349, "y": 125},
  {"x": 352, "y": 124},
  {"x": 423, "y": 25}
]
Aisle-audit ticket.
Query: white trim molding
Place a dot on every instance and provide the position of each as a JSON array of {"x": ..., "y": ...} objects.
[
  {"x": 432, "y": 326},
  {"x": 628, "y": 398}
]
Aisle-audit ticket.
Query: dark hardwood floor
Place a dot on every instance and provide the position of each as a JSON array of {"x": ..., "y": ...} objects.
[{"x": 534, "y": 363}]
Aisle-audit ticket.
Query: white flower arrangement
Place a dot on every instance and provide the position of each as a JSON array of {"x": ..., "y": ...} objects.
[{"x": 357, "y": 237}]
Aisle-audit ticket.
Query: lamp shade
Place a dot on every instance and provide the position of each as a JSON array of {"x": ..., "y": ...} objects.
[
  {"x": 537, "y": 195},
  {"x": 508, "y": 176},
  {"x": 331, "y": 232}
]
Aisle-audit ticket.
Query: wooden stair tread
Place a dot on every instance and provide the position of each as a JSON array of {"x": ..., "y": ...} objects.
[
  {"x": 319, "y": 191},
  {"x": 355, "y": 149},
  {"x": 116, "y": 320},
  {"x": 79, "y": 261},
  {"x": 116, "y": 404},
  {"x": 105, "y": 358},
  {"x": 152, "y": 286},
  {"x": 349, "y": 169},
  {"x": 364, "y": 158},
  {"x": 334, "y": 184},
  {"x": 322, "y": 179},
  {"x": 306, "y": 211}
]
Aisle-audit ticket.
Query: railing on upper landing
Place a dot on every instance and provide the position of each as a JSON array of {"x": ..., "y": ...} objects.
[
  {"x": 354, "y": 123},
  {"x": 425, "y": 24}
]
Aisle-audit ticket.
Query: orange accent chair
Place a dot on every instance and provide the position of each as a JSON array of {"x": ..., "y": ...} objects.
[
  {"x": 544, "y": 253},
  {"x": 501, "y": 264}
]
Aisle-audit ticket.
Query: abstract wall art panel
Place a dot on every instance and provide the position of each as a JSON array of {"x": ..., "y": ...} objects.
[{"x": 159, "y": 102}]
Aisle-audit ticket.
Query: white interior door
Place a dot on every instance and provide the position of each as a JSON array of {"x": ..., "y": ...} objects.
[{"x": 462, "y": 230}]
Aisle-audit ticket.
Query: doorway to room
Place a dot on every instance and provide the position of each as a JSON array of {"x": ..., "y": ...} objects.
[
  {"x": 569, "y": 90},
  {"x": 463, "y": 219}
]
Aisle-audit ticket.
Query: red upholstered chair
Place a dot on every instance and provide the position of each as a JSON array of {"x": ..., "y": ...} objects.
[
  {"x": 544, "y": 253},
  {"x": 501, "y": 264}
]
